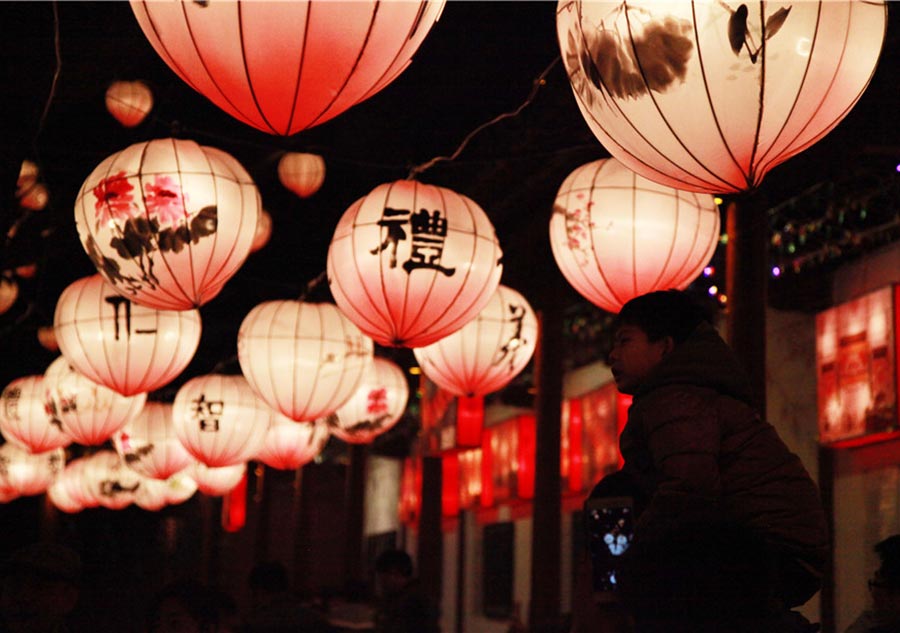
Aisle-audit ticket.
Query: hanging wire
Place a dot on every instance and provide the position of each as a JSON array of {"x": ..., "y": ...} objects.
[{"x": 56, "y": 72}]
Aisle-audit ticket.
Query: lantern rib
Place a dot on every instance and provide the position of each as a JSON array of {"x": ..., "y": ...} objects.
[
  {"x": 270, "y": 313},
  {"x": 588, "y": 281},
  {"x": 634, "y": 264},
  {"x": 316, "y": 314},
  {"x": 410, "y": 326},
  {"x": 674, "y": 238},
  {"x": 590, "y": 198},
  {"x": 221, "y": 276},
  {"x": 363, "y": 314},
  {"x": 332, "y": 403},
  {"x": 688, "y": 260},
  {"x": 78, "y": 335},
  {"x": 380, "y": 83},
  {"x": 299, "y": 79},
  {"x": 250, "y": 88}
]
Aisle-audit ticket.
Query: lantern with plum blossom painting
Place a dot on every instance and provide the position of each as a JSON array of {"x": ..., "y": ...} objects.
[
  {"x": 616, "y": 235},
  {"x": 119, "y": 344},
  {"x": 411, "y": 263},
  {"x": 26, "y": 473},
  {"x": 9, "y": 292},
  {"x": 149, "y": 444},
  {"x": 290, "y": 445},
  {"x": 263, "y": 231},
  {"x": 219, "y": 420},
  {"x": 89, "y": 412},
  {"x": 25, "y": 420},
  {"x": 168, "y": 222},
  {"x": 709, "y": 96},
  {"x": 283, "y": 67},
  {"x": 301, "y": 173},
  {"x": 129, "y": 101},
  {"x": 303, "y": 359},
  {"x": 110, "y": 481},
  {"x": 488, "y": 352},
  {"x": 215, "y": 482},
  {"x": 375, "y": 406}
]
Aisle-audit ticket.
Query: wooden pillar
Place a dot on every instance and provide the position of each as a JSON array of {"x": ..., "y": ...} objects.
[
  {"x": 298, "y": 527},
  {"x": 826, "y": 491},
  {"x": 461, "y": 579},
  {"x": 262, "y": 493},
  {"x": 430, "y": 544},
  {"x": 355, "y": 514}
]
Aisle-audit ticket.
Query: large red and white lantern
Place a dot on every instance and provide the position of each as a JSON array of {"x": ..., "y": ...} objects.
[
  {"x": 616, "y": 235},
  {"x": 120, "y": 344},
  {"x": 283, "y": 67},
  {"x": 129, "y": 102},
  {"x": 26, "y": 473},
  {"x": 411, "y": 263},
  {"x": 149, "y": 445},
  {"x": 25, "y": 420},
  {"x": 90, "y": 413},
  {"x": 301, "y": 173},
  {"x": 488, "y": 352},
  {"x": 168, "y": 222},
  {"x": 215, "y": 482},
  {"x": 290, "y": 445},
  {"x": 375, "y": 407},
  {"x": 303, "y": 359},
  {"x": 709, "y": 96},
  {"x": 219, "y": 419}
]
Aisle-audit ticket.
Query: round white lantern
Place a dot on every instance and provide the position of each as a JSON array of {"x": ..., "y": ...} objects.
[
  {"x": 616, "y": 235},
  {"x": 709, "y": 96},
  {"x": 119, "y": 344},
  {"x": 149, "y": 445},
  {"x": 168, "y": 222},
  {"x": 375, "y": 407},
  {"x": 155, "y": 494},
  {"x": 411, "y": 263},
  {"x": 215, "y": 482},
  {"x": 90, "y": 413},
  {"x": 129, "y": 101},
  {"x": 303, "y": 359},
  {"x": 263, "y": 231},
  {"x": 24, "y": 418},
  {"x": 9, "y": 292},
  {"x": 110, "y": 481},
  {"x": 283, "y": 67},
  {"x": 29, "y": 474},
  {"x": 72, "y": 480},
  {"x": 290, "y": 445},
  {"x": 47, "y": 338},
  {"x": 301, "y": 173},
  {"x": 219, "y": 420},
  {"x": 60, "y": 495},
  {"x": 488, "y": 352}
]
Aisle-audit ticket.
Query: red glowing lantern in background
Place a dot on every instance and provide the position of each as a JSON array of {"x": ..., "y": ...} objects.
[
  {"x": 301, "y": 173},
  {"x": 26, "y": 473},
  {"x": 24, "y": 418},
  {"x": 283, "y": 67},
  {"x": 375, "y": 407},
  {"x": 149, "y": 444},
  {"x": 47, "y": 338},
  {"x": 290, "y": 445},
  {"x": 129, "y": 102}
]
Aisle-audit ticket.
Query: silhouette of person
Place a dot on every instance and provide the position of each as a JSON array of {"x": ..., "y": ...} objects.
[
  {"x": 274, "y": 608},
  {"x": 884, "y": 615},
  {"x": 40, "y": 588},
  {"x": 402, "y": 605}
]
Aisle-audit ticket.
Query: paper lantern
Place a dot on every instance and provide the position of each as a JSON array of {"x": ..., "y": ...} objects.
[
  {"x": 486, "y": 353},
  {"x": 149, "y": 445},
  {"x": 155, "y": 494},
  {"x": 29, "y": 474},
  {"x": 215, "y": 482},
  {"x": 61, "y": 496},
  {"x": 283, "y": 67},
  {"x": 47, "y": 338},
  {"x": 35, "y": 198},
  {"x": 290, "y": 445},
  {"x": 7, "y": 494},
  {"x": 28, "y": 175},
  {"x": 616, "y": 235},
  {"x": 301, "y": 173},
  {"x": 219, "y": 420},
  {"x": 411, "y": 263},
  {"x": 375, "y": 407},
  {"x": 303, "y": 359},
  {"x": 709, "y": 96},
  {"x": 120, "y": 344},
  {"x": 26, "y": 271},
  {"x": 110, "y": 481},
  {"x": 9, "y": 292},
  {"x": 168, "y": 222},
  {"x": 129, "y": 102},
  {"x": 24, "y": 418},
  {"x": 72, "y": 481},
  {"x": 263, "y": 231},
  {"x": 90, "y": 413}
]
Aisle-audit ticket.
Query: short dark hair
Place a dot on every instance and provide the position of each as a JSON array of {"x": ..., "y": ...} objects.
[
  {"x": 664, "y": 313},
  {"x": 394, "y": 560},
  {"x": 888, "y": 551}
]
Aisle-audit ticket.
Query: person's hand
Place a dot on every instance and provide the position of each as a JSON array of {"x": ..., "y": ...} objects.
[{"x": 594, "y": 612}]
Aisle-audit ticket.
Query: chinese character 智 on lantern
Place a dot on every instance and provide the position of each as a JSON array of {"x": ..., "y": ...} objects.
[
  {"x": 375, "y": 407},
  {"x": 709, "y": 96},
  {"x": 411, "y": 263}
]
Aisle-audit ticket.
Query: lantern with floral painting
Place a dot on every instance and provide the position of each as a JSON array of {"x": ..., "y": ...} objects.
[
  {"x": 375, "y": 407},
  {"x": 616, "y": 235},
  {"x": 25, "y": 419},
  {"x": 110, "y": 481},
  {"x": 149, "y": 444},
  {"x": 303, "y": 359},
  {"x": 129, "y": 102},
  {"x": 709, "y": 96},
  {"x": 155, "y": 494},
  {"x": 29, "y": 473},
  {"x": 283, "y": 67},
  {"x": 219, "y": 419},
  {"x": 168, "y": 222},
  {"x": 215, "y": 482},
  {"x": 301, "y": 173},
  {"x": 411, "y": 263},
  {"x": 290, "y": 445},
  {"x": 9, "y": 292},
  {"x": 120, "y": 344},
  {"x": 89, "y": 412},
  {"x": 263, "y": 231}
]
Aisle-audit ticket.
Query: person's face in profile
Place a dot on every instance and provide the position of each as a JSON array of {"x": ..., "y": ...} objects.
[{"x": 634, "y": 355}]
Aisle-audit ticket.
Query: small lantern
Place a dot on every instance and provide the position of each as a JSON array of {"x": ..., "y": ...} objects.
[
  {"x": 28, "y": 175},
  {"x": 303, "y": 359},
  {"x": 26, "y": 271},
  {"x": 47, "y": 338},
  {"x": 290, "y": 445},
  {"x": 119, "y": 344},
  {"x": 9, "y": 292},
  {"x": 375, "y": 407},
  {"x": 283, "y": 67},
  {"x": 149, "y": 445},
  {"x": 709, "y": 96},
  {"x": 411, "y": 263},
  {"x": 72, "y": 480},
  {"x": 486, "y": 353},
  {"x": 263, "y": 231},
  {"x": 90, "y": 413},
  {"x": 215, "y": 482},
  {"x": 61, "y": 496},
  {"x": 24, "y": 418},
  {"x": 301, "y": 173},
  {"x": 29, "y": 474},
  {"x": 35, "y": 198},
  {"x": 155, "y": 494},
  {"x": 168, "y": 222},
  {"x": 129, "y": 102},
  {"x": 110, "y": 481},
  {"x": 219, "y": 420},
  {"x": 616, "y": 235}
]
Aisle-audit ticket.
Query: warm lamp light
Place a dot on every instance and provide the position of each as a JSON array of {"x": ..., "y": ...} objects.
[
  {"x": 216, "y": 482},
  {"x": 26, "y": 473},
  {"x": 301, "y": 173},
  {"x": 375, "y": 407},
  {"x": 289, "y": 445},
  {"x": 129, "y": 102},
  {"x": 24, "y": 418}
]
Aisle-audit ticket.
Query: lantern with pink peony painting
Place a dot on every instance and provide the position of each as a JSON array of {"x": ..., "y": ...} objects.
[
  {"x": 149, "y": 444},
  {"x": 291, "y": 444},
  {"x": 375, "y": 407},
  {"x": 25, "y": 419},
  {"x": 129, "y": 102},
  {"x": 26, "y": 473}
]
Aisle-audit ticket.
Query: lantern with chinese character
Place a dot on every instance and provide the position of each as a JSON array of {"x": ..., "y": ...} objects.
[
  {"x": 219, "y": 420},
  {"x": 29, "y": 474},
  {"x": 168, "y": 222},
  {"x": 110, "y": 481},
  {"x": 411, "y": 263},
  {"x": 488, "y": 352},
  {"x": 263, "y": 231},
  {"x": 149, "y": 444},
  {"x": 9, "y": 292},
  {"x": 303, "y": 359},
  {"x": 119, "y": 344},
  {"x": 375, "y": 407},
  {"x": 709, "y": 96},
  {"x": 24, "y": 418},
  {"x": 283, "y": 67},
  {"x": 290, "y": 445},
  {"x": 129, "y": 102},
  {"x": 89, "y": 412},
  {"x": 301, "y": 173},
  {"x": 215, "y": 482},
  {"x": 616, "y": 235}
]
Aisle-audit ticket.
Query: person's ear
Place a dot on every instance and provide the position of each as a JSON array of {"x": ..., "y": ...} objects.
[{"x": 668, "y": 344}]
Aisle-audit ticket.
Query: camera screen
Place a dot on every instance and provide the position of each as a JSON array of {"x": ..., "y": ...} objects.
[{"x": 610, "y": 528}]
